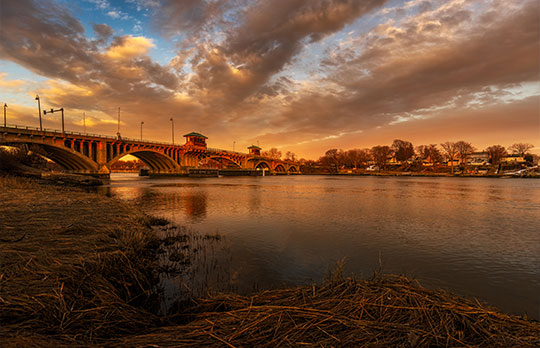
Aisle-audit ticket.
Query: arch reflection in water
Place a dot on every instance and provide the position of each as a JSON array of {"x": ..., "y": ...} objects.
[{"x": 194, "y": 205}]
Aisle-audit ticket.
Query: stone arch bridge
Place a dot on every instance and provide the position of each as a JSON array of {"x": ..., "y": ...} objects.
[{"x": 95, "y": 154}]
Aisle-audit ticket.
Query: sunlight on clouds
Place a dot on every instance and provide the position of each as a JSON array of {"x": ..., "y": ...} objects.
[
  {"x": 130, "y": 47},
  {"x": 58, "y": 88},
  {"x": 9, "y": 83}
]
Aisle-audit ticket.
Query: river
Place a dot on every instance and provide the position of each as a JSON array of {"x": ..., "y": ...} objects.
[{"x": 477, "y": 237}]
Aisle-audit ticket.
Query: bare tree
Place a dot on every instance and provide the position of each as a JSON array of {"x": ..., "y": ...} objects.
[
  {"x": 273, "y": 153},
  {"x": 450, "y": 151},
  {"x": 464, "y": 150},
  {"x": 521, "y": 148},
  {"x": 290, "y": 156},
  {"x": 429, "y": 153},
  {"x": 496, "y": 153},
  {"x": 403, "y": 150},
  {"x": 356, "y": 157},
  {"x": 333, "y": 158},
  {"x": 380, "y": 155}
]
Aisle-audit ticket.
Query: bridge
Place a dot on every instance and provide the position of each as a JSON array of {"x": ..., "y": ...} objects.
[{"x": 92, "y": 154}]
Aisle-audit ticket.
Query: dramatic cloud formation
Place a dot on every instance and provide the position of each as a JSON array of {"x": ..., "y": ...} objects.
[{"x": 305, "y": 75}]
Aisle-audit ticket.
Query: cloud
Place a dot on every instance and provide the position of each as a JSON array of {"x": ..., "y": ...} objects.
[
  {"x": 188, "y": 16},
  {"x": 116, "y": 14},
  {"x": 127, "y": 47},
  {"x": 103, "y": 32},
  {"x": 9, "y": 84},
  {"x": 396, "y": 72},
  {"x": 312, "y": 73}
]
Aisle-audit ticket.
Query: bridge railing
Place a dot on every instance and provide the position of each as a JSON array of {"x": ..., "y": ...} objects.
[
  {"x": 212, "y": 149},
  {"x": 57, "y": 131}
]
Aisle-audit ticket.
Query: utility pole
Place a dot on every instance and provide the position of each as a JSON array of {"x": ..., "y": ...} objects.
[
  {"x": 53, "y": 111},
  {"x": 5, "y": 107},
  {"x": 172, "y": 125},
  {"x": 39, "y": 112},
  {"x": 142, "y": 122}
]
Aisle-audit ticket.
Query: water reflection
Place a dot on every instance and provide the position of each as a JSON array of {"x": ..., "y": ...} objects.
[
  {"x": 477, "y": 237},
  {"x": 194, "y": 205}
]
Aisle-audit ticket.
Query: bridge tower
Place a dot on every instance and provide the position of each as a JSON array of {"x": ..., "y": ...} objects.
[
  {"x": 254, "y": 150},
  {"x": 194, "y": 148}
]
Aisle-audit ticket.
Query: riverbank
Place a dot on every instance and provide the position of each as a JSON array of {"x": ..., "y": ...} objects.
[{"x": 77, "y": 269}]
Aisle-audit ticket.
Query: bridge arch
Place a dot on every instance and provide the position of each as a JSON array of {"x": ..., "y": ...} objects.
[
  {"x": 292, "y": 169},
  {"x": 225, "y": 159},
  {"x": 262, "y": 165},
  {"x": 157, "y": 161},
  {"x": 65, "y": 157},
  {"x": 280, "y": 168}
]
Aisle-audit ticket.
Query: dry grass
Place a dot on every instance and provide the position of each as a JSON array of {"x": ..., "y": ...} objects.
[
  {"x": 381, "y": 312},
  {"x": 76, "y": 269},
  {"x": 74, "y": 266}
]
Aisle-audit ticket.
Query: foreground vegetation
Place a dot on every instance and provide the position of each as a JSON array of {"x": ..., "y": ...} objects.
[{"x": 78, "y": 269}]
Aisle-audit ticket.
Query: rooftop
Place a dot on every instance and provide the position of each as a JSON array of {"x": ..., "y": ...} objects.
[{"x": 195, "y": 134}]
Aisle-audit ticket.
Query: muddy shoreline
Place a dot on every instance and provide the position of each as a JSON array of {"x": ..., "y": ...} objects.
[{"x": 79, "y": 269}]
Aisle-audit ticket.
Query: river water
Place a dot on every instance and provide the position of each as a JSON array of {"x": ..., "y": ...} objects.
[{"x": 477, "y": 237}]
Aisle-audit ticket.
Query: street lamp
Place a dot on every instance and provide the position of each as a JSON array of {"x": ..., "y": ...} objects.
[
  {"x": 233, "y": 143},
  {"x": 5, "y": 107},
  {"x": 118, "y": 133},
  {"x": 142, "y": 122},
  {"x": 53, "y": 111},
  {"x": 39, "y": 112},
  {"x": 84, "y": 121},
  {"x": 172, "y": 125}
]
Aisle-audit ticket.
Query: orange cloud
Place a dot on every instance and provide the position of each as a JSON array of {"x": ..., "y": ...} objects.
[{"x": 128, "y": 47}]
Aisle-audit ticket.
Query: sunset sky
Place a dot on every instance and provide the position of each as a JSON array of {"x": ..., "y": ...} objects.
[{"x": 301, "y": 75}]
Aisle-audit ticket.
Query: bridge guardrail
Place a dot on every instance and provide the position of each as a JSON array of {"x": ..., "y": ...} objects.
[
  {"x": 212, "y": 149},
  {"x": 57, "y": 131}
]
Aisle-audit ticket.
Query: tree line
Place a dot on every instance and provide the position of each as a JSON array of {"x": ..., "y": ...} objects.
[{"x": 401, "y": 151}]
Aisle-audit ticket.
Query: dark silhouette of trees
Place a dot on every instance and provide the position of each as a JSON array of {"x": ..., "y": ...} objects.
[
  {"x": 131, "y": 165},
  {"x": 290, "y": 156},
  {"x": 273, "y": 153},
  {"x": 520, "y": 148},
  {"x": 355, "y": 157},
  {"x": 380, "y": 155},
  {"x": 450, "y": 151},
  {"x": 464, "y": 150},
  {"x": 496, "y": 153},
  {"x": 333, "y": 158},
  {"x": 403, "y": 150},
  {"x": 429, "y": 153}
]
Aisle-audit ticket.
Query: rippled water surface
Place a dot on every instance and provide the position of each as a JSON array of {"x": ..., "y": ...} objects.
[{"x": 475, "y": 236}]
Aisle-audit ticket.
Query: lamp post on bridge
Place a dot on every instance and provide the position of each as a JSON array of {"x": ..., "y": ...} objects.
[
  {"x": 233, "y": 143},
  {"x": 53, "y": 111},
  {"x": 142, "y": 122},
  {"x": 84, "y": 121},
  {"x": 5, "y": 107},
  {"x": 39, "y": 112},
  {"x": 118, "y": 133},
  {"x": 172, "y": 128}
]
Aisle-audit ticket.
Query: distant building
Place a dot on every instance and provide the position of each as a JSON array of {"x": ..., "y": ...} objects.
[
  {"x": 513, "y": 159},
  {"x": 479, "y": 158}
]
